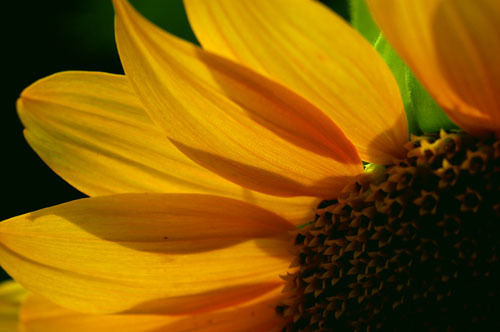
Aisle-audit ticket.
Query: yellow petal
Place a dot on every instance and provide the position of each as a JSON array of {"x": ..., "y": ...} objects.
[
  {"x": 229, "y": 119},
  {"x": 148, "y": 253},
  {"x": 92, "y": 130},
  {"x": 452, "y": 47},
  {"x": 308, "y": 48},
  {"x": 40, "y": 315},
  {"x": 12, "y": 295}
]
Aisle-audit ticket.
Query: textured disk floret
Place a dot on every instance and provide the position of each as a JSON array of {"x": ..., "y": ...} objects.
[{"x": 416, "y": 250}]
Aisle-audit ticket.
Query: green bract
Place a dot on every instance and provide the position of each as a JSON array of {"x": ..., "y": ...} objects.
[{"x": 423, "y": 113}]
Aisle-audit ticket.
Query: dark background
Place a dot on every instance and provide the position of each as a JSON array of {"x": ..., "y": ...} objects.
[{"x": 44, "y": 37}]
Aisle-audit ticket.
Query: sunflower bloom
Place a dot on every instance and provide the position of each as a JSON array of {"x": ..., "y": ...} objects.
[{"x": 226, "y": 183}]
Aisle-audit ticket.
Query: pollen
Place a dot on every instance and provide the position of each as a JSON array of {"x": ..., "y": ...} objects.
[{"x": 418, "y": 249}]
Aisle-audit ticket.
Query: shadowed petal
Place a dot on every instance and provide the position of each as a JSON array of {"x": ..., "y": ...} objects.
[
  {"x": 229, "y": 119},
  {"x": 92, "y": 130},
  {"x": 40, "y": 315},
  {"x": 308, "y": 48},
  {"x": 148, "y": 253},
  {"x": 12, "y": 295}
]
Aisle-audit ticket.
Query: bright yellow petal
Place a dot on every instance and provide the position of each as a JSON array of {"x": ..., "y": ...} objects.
[
  {"x": 231, "y": 120},
  {"x": 12, "y": 295},
  {"x": 308, "y": 48},
  {"x": 40, "y": 315},
  {"x": 452, "y": 47},
  {"x": 92, "y": 130},
  {"x": 148, "y": 253}
]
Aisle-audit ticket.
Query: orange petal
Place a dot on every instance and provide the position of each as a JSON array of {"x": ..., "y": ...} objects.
[
  {"x": 314, "y": 52},
  {"x": 148, "y": 253},
  {"x": 452, "y": 47},
  {"x": 92, "y": 130},
  {"x": 229, "y": 119},
  {"x": 40, "y": 315}
]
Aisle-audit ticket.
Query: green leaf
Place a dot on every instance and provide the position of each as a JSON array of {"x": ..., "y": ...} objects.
[
  {"x": 422, "y": 112},
  {"x": 428, "y": 115},
  {"x": 362, "y": 21},
  {"x": 400, "y": 71}
]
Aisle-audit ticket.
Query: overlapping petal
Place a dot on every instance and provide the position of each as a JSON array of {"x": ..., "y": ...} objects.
[
  {"x": 147, "y": 253},
  {"x": 231, "y": 120},
  {"x": 308, "y": 48},
  {"x": 12, "y": 296},
  {"x": 40, "y": 315},
  {"x": 452, "y": 47},
  {"x": 92, "y": 130}
]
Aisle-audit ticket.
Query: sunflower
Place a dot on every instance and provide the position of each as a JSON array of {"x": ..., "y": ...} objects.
[{"x": 227, "y": 188}]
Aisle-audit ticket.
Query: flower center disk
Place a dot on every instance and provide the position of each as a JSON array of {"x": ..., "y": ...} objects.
[{"x": 416, "y": 250}]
